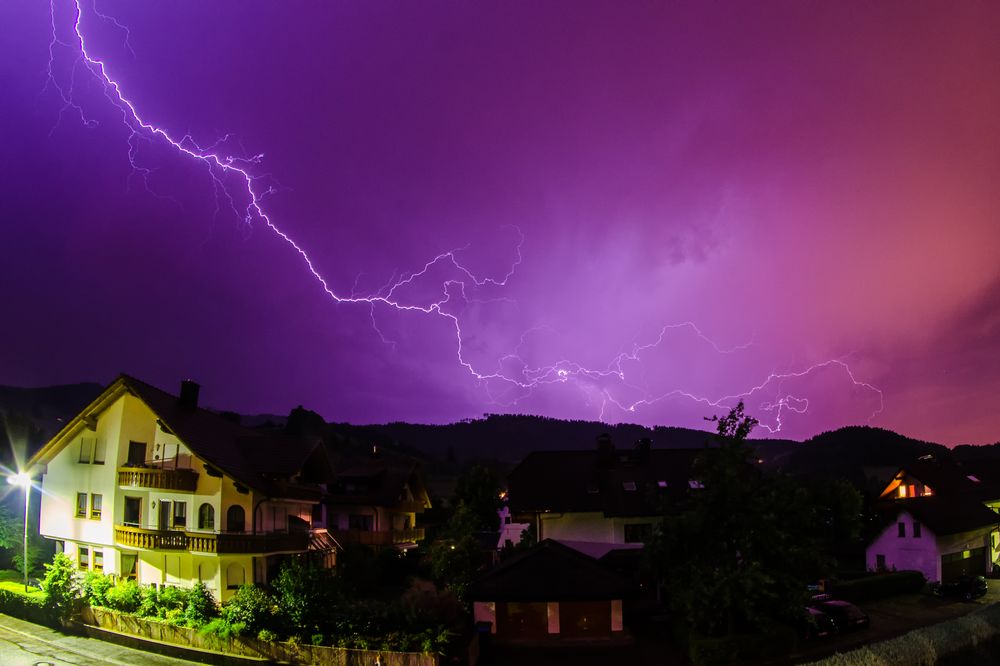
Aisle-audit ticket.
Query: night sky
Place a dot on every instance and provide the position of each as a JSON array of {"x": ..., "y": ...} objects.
[{"x": 652, "y": 205}]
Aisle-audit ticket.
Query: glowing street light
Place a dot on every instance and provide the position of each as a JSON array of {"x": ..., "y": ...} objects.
[{"x": 23, "y": 479}]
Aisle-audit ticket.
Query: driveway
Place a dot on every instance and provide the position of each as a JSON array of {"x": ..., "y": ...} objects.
[{"x": 26, "y": 644}]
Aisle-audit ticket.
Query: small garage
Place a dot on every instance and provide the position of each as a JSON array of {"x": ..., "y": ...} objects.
[
  {"x": 966, "y": 562},
  {"x": 550, "y": 594}
]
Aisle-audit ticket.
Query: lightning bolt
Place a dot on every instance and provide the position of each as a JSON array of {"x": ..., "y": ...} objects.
[{"x": 516, "y": 378}]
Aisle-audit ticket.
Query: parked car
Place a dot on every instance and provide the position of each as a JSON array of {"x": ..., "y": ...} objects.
[
  {"x": 816, "y": 624},
  {"x": 844, "y": 614},
  {"x": 965, "y": 587}
]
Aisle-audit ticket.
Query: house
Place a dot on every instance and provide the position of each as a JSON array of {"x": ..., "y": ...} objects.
[
  {"x": 374, "y": 501},
  {"x": 942, "y": 537},
  {"x": 599, "y": 499},
  {"x": 550, "y": 594},
  {"x": 147, "y": 485},
  {"x": 940, "y": 518}
]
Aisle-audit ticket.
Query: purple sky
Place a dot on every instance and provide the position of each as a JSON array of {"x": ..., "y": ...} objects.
[{"x": 800, "y": 182}]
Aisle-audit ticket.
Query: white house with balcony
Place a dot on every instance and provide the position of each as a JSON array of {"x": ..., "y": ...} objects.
[{"x": 146, "y": 485}]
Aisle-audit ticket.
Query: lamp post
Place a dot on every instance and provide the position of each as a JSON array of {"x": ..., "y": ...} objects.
[{"x": 23, "y": 479}]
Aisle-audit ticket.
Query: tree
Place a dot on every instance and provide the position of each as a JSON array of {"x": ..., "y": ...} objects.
[
  {"x": 740, "y": 552},
  {"x": 478, "y": 489},
  {"x": 61, "y": 586}
]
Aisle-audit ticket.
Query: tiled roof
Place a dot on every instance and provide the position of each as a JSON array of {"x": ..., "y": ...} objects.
[
  {"x": 945, "y": 515},
  {"x": 619, "y": 483},
  {"x": 374, "y": 481}
]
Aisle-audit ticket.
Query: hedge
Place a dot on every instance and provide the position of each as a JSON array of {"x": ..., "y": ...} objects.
[
  {"x": 879, "y": 586},
  {"x": 710, "y": 651},
  {"x": 28, "y": 608},
  {"x": 969, "y": 640}
]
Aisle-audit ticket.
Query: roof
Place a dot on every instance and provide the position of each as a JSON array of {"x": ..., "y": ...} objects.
[
  {"x": 549, "y": 571},
  {"x": 261, "y": 461},
  {"x": 375, "y": 481},
  {"x": 948, "y": 478},
  {"x": 615, "y": 484},
  {"x": 945, "y": 515}
]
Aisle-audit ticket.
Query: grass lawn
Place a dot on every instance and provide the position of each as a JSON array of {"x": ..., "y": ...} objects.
[{"x": 13, "y": 581}]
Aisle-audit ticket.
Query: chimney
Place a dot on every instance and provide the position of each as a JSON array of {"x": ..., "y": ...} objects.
[{"x": 189, "y": 394}]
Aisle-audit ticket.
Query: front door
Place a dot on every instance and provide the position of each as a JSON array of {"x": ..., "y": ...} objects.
[{"x": 133, "y": 511}]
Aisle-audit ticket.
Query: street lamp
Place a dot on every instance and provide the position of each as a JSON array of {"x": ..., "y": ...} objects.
[{"x": 23, "y": 479}]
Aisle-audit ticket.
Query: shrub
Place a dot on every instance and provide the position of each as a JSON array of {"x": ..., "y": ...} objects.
[
  {"x": 267, "y": 636},
  {"x": 95, "y": 587},
  {"x": 171, "y": 599},
  {"x": 61, "y": 586},
  {"x": 709, "y": 651},
  {"x": 249, "y": 610},
  {"x": 28, "y": 608},
  {"x": 150, "y": 601},
  {"x": 879, "y": 586},
  {"x": 125, "y": 597},
  {"x": 201, "y": 606}
]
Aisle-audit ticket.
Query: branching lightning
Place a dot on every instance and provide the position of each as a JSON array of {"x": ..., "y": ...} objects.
[{"x": 224, "y": 169}]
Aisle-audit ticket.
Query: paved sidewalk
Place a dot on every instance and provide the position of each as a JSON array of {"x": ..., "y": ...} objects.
[{"x": 26, "y": 644}]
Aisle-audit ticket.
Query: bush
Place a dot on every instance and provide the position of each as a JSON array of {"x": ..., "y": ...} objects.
[
  {"x": 201, "y": 606},
  {"x": 171, "y": 600},
  {"x": 28, "y": 608},
  {"x": 95, "y": 587},
  {"x": 710, "y": 651},
  {"x": 879, "y": 586},
  {"x": 249, "y": 610},
  {"x": 125, "y": 597},
  {"x": 61, "y": 586},
  {"x": 150, "y": 601}
]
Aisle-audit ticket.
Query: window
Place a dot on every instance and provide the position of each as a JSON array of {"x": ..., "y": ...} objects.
[
  {"x": 916, "y": 530},
  {"x": 81, "y": 505},
  {"x": 100, "y": 450},
  {"x": 180, "y": 515},
  {"x": 83, "y": 557},
  {"x": 638, "y": 533},
  {"x": 235, "y": 576},
  {"x": 85, "y": 446},
  {"x": 661, "y": 484},
  {"x": 98, "y": 560},
  {"x": 360, "y": 521},
  {"x": 628, "y": 486},
  {"x": 96, "y": 500},
  {"x": 880, "y": 562},
  {"x": 901, "y": 530},
  {"x": 129, "y": 566},
  {"x": 206, "y": 517},
  {"x": 235, "y": 519},
  {"x": 695, "y": 484},
  {"x": 317, "y": 513}
]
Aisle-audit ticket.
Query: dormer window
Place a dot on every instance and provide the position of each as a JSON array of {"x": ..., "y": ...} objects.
[
  {"x": 695, "y": 484},
  {"x": 661, "y": 484},
  {"x": 972, "y": 477},
  {"x": 628, "y": 486}
]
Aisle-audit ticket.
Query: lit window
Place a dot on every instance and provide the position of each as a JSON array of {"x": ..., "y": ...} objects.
[
  {"x": 81, "y": 505},
  {"x": 928, "y": 491},
  {"x": 973, "y": 478},
  {"x": 96, "y": 501},
  {"x": 661, "y": 484},
  {"x": 902, "y": 491}
]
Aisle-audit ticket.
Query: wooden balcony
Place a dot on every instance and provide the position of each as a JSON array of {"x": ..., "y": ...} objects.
[
  {"x": 208, "y": 542},
  {"x": 162, "y": 479},
  {"x": 389, "y": 538}
]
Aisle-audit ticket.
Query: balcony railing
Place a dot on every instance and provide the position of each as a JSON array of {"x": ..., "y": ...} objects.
[
  {"x": 163, "y": 479},
  {"x": 207, "y": 542},
  {"x": 389, "y": 538}
]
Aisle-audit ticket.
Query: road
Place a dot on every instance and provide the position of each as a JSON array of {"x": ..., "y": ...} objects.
[{"x": 26, "y": 644}]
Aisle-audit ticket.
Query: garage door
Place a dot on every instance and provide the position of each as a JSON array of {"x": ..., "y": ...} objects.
[
  {"x": 971, "y": 562},
  {"x": 522, "y": 621},
  {"x": 585, "y": 619}
]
